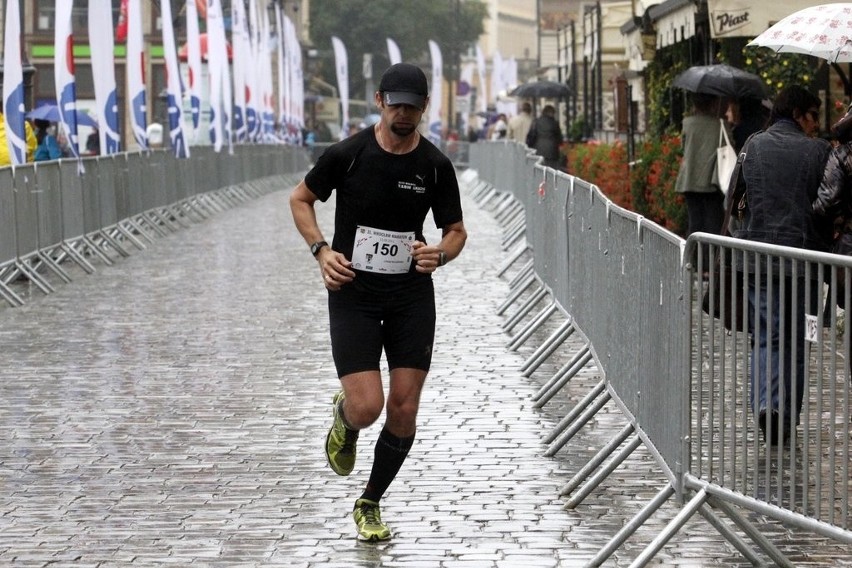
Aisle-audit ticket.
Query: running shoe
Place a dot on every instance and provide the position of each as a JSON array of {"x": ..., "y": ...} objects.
[
  {"x": 340, "y": 442},
  {"x": 369, "y": 521}
]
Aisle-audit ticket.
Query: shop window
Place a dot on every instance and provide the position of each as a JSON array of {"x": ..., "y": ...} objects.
[{"x": 45, "y": 16}]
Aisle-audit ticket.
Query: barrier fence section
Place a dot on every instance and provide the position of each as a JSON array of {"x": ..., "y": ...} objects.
[
  {"x": 633, "y": 292},
  {"x": 56, "y": 214}
]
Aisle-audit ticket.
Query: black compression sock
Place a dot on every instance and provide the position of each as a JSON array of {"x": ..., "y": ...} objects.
[{"x": 389, "y": 455}]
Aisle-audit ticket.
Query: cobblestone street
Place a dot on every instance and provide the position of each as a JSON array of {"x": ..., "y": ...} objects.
[{"x": 172, "y": 408}]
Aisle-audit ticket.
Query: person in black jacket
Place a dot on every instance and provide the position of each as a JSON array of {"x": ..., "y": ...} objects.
[
  {"x": 782, "y": 170},
  {"x": 545, "y": 137},
  {"x": 834, "y": 198}
]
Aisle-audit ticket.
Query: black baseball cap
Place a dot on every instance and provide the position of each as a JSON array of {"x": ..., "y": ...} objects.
[{"x": 404, "y": 84}]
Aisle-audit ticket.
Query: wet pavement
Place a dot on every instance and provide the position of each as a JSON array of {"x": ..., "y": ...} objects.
[{"x": 171, "y": 409}]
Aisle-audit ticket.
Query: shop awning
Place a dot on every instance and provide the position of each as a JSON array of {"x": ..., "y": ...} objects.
[{"x": 674, "y": 21}]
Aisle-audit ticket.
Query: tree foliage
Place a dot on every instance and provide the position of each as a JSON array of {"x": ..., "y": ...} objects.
[{"x": 364, "y": 25}]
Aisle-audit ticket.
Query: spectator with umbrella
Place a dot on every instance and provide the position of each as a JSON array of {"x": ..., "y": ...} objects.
[
  {"x": 711, "y": 87},
  {"x": 545, "y": 136},
  {"x": 697, "y": 180}
]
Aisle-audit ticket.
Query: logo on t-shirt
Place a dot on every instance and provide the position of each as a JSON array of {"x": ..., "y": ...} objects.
[{"x": 417, "y": 187}]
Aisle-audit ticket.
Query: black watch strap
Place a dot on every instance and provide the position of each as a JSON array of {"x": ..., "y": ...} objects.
[{"x": 317, "y": 246}]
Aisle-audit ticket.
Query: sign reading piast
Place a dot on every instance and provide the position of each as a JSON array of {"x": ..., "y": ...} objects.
[{"x": 748, "y": 18}]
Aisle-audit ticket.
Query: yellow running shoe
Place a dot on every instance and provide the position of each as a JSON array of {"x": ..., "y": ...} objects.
[
  {"x": 340, "y": 442},
  {"x": 369, "y": 521}
]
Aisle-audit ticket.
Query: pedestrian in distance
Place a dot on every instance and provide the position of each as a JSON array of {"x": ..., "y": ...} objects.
[
  {"x": 782, "y": 171},
  {"x": 48, "y": 146},
  {"x": 519, "y": 125},
  {"x": 378, "y": 274},
  {"x": 93, "y": 143},
  {"x": 545, "y": 137},
  {"x": 497, "y": 131}
]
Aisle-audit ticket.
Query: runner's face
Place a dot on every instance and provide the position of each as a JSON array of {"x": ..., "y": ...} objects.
[{"x": 402, "y": 120}]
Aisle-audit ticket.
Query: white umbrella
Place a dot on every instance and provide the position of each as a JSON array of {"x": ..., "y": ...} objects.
[{"x": 823, "y": 31}]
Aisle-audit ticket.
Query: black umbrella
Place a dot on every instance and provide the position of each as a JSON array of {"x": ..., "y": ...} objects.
[
  {"x": 721, "y": 80},
  {"x": 543, "y": 89}
]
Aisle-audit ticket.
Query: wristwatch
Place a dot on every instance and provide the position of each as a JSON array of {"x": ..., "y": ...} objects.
[{"x": 317, "y": 246}]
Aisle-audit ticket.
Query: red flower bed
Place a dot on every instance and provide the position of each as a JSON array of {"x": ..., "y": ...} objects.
[{"x": 646, "y": 188}]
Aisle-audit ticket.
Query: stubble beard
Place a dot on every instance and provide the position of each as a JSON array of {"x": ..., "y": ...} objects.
[{"x": 402, "y": 131}]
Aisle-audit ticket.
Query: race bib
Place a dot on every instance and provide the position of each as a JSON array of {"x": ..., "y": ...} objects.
[{"x": 385, "y": 252}]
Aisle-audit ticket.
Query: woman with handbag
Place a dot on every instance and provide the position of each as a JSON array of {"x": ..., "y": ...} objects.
[{"x": 697, "y": 178}]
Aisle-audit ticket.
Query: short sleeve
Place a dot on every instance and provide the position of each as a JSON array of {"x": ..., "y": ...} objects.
[{"x": 446, "y": 208}]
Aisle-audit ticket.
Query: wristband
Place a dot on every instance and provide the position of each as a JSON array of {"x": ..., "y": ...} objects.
[{"x": 442, "y": 258}]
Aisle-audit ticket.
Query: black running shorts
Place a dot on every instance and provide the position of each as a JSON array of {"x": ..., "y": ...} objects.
[{"x": 364, "y": 323}]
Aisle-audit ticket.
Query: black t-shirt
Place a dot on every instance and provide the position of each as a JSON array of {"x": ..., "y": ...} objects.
[{"x": 385, "y": 191}]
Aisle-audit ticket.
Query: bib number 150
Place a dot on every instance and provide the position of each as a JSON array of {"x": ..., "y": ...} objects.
[{"x": 385, "y": 249}]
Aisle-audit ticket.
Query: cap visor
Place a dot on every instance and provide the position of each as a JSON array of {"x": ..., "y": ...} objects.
[{"x": 403, "y": 98}]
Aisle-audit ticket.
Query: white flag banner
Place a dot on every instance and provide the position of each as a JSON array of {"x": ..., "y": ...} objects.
[
  {"x": 66, "y": 85},
  {"x": 482, "y": 93},
  {"x": 266, "y": 69},
  {"x": 220, "y": 80},
  {"x": 102, "y": 46},
  {"x": 341, "y": 64},
  {"x": 394, "y": 54},
  {"x": 509, "y": 107},
  {"x": 282, "y": 48},
  {"x": 174, "y": 93},
  {"x": 297, "y": 81},
  {"x": 13, "y": 86},
  {"x": 193, "y": 62},
  {"x": 497, "y": 85},
  {"x": 243, "y": 61},
  {"x": 436, "y": 97},
  {"x": 136, "y": 96},
  {"x": 254, "y": 93},
  {"x": 463, "y": 98}
]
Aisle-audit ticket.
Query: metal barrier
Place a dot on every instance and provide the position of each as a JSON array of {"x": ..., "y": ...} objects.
[
  {"x": 54, "y": 215},
  {"x": 631, "y": 292},
  {"x": 806, "y": 481}
]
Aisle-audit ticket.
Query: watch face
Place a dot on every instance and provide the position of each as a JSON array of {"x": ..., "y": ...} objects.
[{"x": 315, "y": 248}]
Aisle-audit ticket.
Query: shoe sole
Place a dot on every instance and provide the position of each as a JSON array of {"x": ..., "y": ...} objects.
[{"x": 372, "y": 538}]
